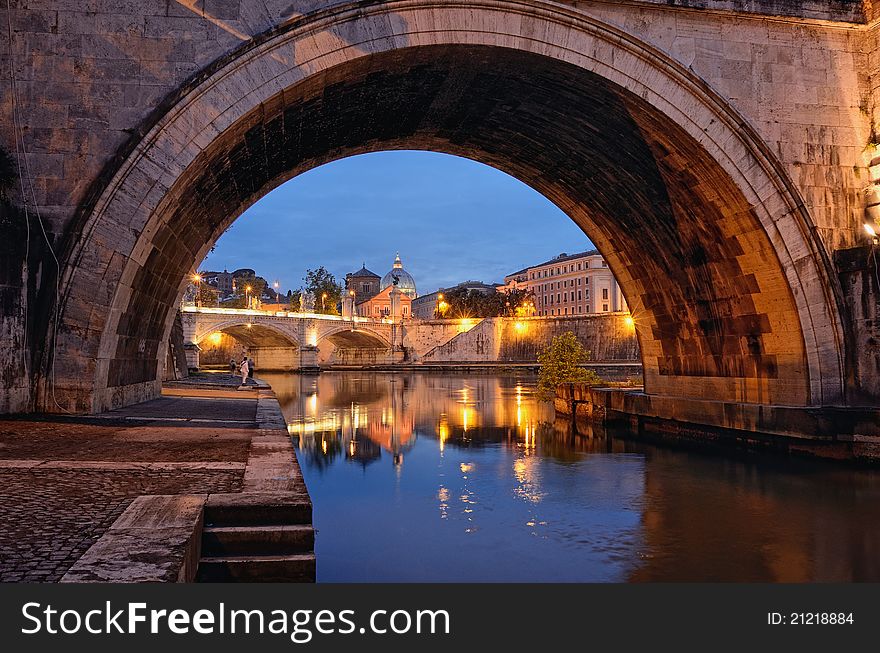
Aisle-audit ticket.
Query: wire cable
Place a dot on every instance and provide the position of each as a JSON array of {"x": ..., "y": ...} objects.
[{"x": 21, "y": 155}]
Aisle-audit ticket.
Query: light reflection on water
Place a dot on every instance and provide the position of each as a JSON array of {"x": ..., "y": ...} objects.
[{"x": 428, "y": 477}]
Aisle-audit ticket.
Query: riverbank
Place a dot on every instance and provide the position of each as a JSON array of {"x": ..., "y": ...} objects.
[
  {"x": 843, "y": 434},
  {"x": 125, "y": 496},
  {"x": 614, "y": 371}
]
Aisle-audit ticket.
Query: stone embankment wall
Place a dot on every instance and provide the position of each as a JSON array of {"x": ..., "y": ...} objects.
[{"x": 608, "y": 338}]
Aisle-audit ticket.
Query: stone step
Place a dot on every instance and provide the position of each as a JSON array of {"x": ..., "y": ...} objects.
[
  {"x": 276, "y": 539},
  {"x": 256, "y": 509},
  {"x": 292, "y": 568}
]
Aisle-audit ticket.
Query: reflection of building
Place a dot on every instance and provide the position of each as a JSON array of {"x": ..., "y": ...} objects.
[
  {"x": 373, "y": 298},
  {"x": 358, "y": 430},
  {"x": 570, "y": 284}
]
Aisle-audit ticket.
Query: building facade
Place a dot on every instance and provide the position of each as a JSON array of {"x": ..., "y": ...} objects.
[
  {"x": 570, "y": 284},
  {"x": 364, "y": 283},
  {"x": 380, "y": 305},
  {"x": 424, "y": 306},
  {"x": 372, "y": 294}
]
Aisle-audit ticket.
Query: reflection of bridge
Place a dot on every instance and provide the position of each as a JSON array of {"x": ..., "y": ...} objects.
[{"x": 286, "y": 340}]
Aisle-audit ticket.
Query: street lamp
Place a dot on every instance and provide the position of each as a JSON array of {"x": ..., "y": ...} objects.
[
  {"x": 323, "y": 301},
  {"x": 247, "y": 295},
  {"x": 197, "y": 279},
  {"x": 276, "y": 285}
]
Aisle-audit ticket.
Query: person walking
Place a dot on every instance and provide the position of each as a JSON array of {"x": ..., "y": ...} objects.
[
  {"x": 232, "y": 365},
  {"x": 250, "y": 367},
  {"x": 244, "y": 369}
]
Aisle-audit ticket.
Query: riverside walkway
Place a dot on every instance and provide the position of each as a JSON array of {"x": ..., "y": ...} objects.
[{"x": 68, "y": 484}]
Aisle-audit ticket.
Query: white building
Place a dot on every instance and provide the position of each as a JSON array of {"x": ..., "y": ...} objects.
[{"x": 570, "y": 284}]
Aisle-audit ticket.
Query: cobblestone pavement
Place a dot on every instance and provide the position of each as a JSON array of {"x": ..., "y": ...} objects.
[
  {"x": 63, "y": 482},
  {"x": 51, "y": 517}
]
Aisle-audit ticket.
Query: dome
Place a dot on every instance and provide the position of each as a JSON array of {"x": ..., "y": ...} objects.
[{"x": 405, "y": 283}]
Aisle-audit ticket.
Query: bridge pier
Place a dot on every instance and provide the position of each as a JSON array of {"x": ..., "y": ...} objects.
[
  {"x": 275, "y": 359},
  {"x": 191, "y": 350},
  {"x": 308, "y": 358}
]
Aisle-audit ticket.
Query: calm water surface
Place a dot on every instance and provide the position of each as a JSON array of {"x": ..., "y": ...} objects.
[{"x": 429, "y": 477}]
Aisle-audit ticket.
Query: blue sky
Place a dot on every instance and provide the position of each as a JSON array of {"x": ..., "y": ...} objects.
[{"x": 450, "y": 218}]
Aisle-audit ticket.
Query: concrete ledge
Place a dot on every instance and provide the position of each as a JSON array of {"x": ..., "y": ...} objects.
[
  {"x": 156, "y": 540},
  {"x": 831, "y": 432}
]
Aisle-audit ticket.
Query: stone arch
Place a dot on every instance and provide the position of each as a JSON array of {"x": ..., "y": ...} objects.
[
  {"x": 359, "y": 337},
  {"x": 732, "y": 291},
  {"x": 252, "y": 333}
]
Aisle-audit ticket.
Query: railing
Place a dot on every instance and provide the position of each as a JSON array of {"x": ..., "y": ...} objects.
[{"x": 188, "y": 308}]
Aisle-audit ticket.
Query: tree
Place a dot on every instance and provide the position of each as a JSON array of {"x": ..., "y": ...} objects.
[
  {"x": 462, "y": 303},
  {"x": 208, "y": 295},
  {"x": 326, "y": 290},
  {"x": 561, "y": 362}
]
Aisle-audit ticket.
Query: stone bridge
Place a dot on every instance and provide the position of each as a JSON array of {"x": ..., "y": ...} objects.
[
  {"x": 290, "y": 341},
  {"x": 722, "y": 155}
]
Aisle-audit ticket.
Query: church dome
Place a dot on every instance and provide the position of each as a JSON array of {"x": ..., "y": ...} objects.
[{"x": 405, "y": 283}]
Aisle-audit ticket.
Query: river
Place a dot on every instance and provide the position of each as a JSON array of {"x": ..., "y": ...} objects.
[{"x": 446, "y": 477}]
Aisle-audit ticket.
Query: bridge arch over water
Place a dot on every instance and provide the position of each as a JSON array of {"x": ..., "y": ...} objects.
[{"x": 732, "y": 289}]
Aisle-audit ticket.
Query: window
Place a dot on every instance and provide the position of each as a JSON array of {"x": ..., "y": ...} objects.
[
  {"x": 587, "y": 281},
  {"x": 566, "y": 310},
  {"x": 579, "y": 280},
  {"x": 579, "y": 295},
  {"x": 565, "y": 297},
  {"x": 604, "y": 293},
  {"x": 579, "y": 266},
  {"x": 605, "y": 307},
  {"x": 558, "y": 300}
]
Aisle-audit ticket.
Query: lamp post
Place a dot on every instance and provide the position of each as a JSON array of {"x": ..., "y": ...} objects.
[
  {"x": 247, "y": 296},
  {"x": 276, "y": 285},
  {"x": 323, "y": 302},
  {"x": 197, "y": 279}
]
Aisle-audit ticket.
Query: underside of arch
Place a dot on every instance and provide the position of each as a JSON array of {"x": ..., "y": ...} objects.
[
  {"x": 355, "y": 339},
  {"x": 711, "y": 302},
  {"x": 256, "y": 335},
  {"x": 718, "y": 313}
]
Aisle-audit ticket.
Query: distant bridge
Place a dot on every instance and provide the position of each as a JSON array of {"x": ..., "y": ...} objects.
[{"x": 287, "y": 341}]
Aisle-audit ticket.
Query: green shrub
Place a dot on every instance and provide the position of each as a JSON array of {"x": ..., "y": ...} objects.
[{"x": 561, "y": 362}]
